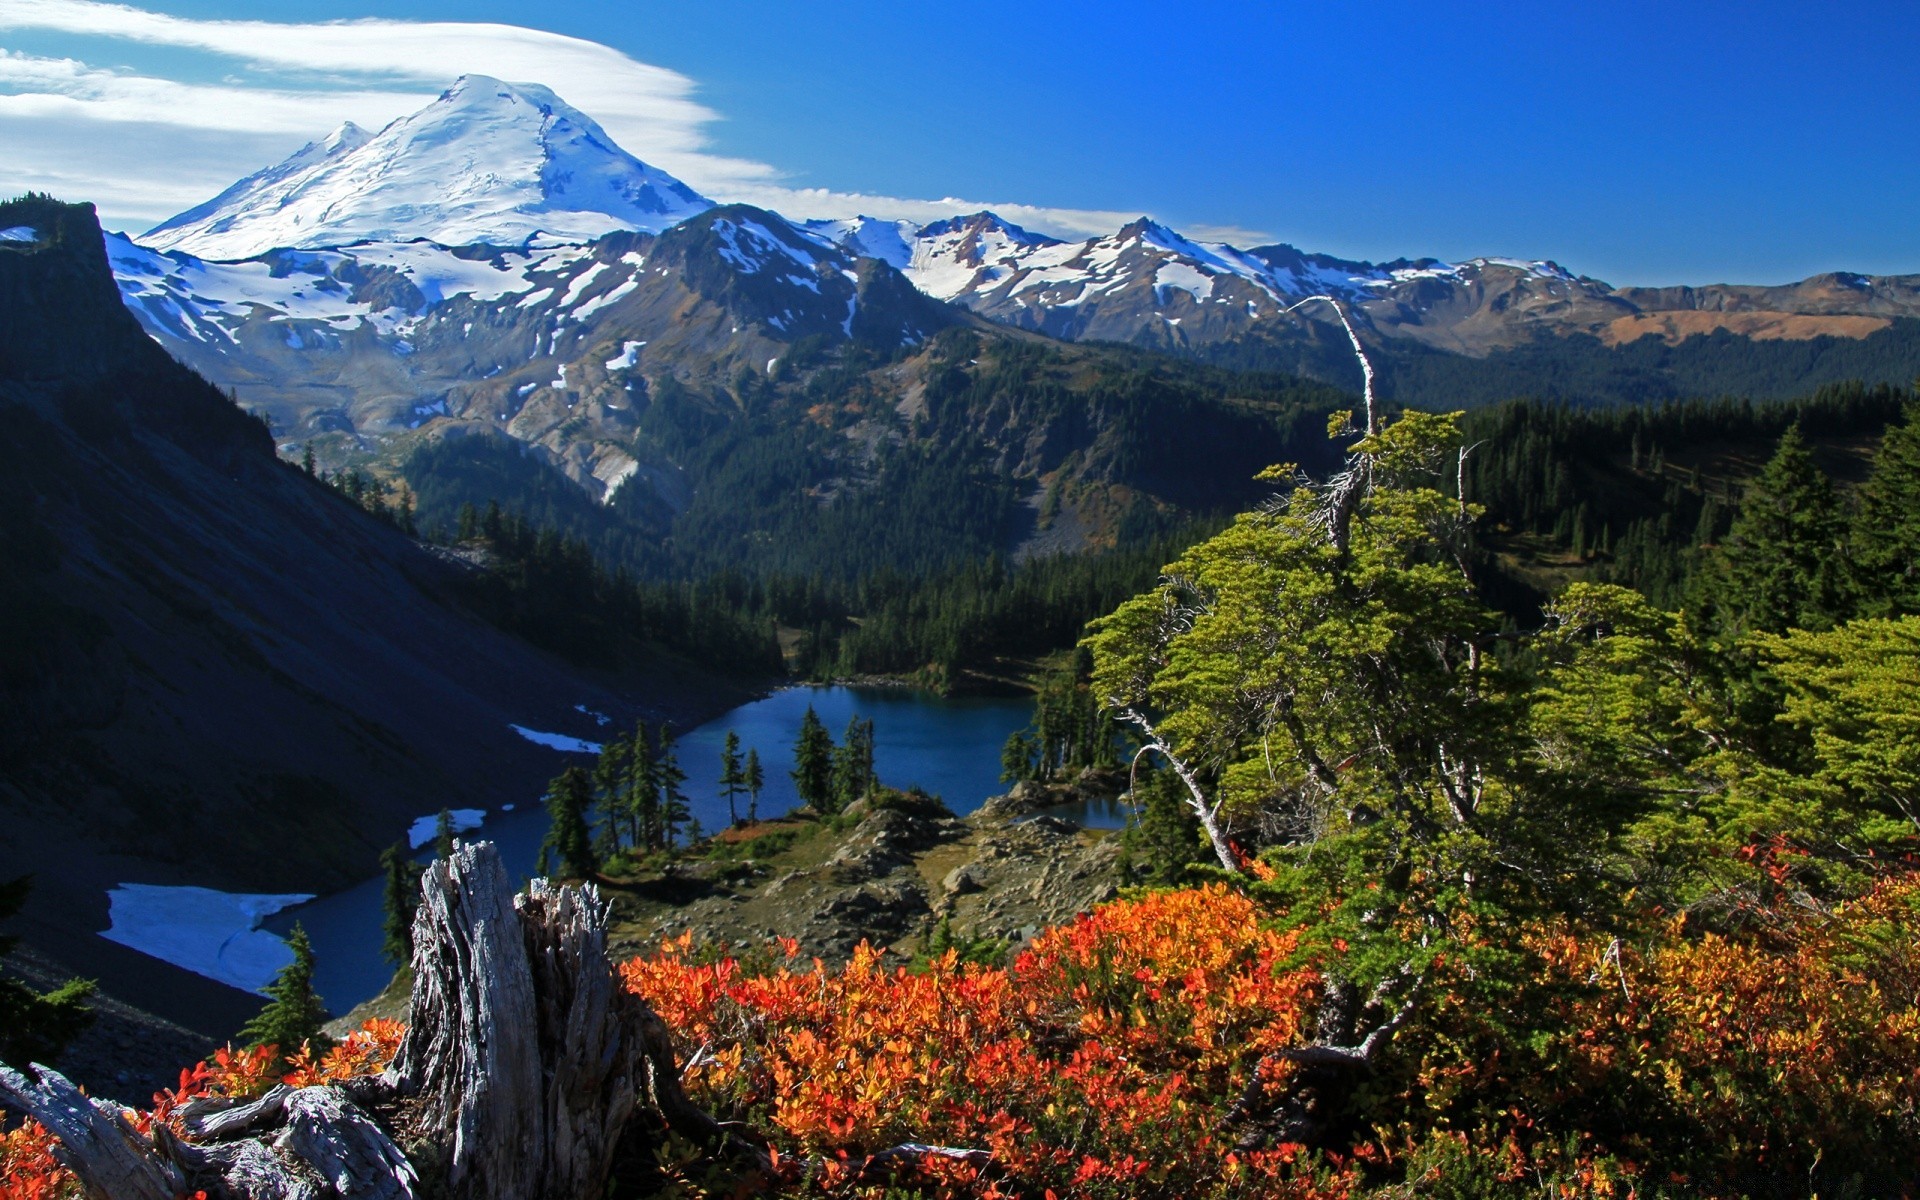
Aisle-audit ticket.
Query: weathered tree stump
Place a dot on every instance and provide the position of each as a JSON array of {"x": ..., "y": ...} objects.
[{"x": 524, "y": 1064}]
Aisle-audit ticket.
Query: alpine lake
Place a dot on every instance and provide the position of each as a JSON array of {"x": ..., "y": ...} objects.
[{"x": 947, "y": 746}]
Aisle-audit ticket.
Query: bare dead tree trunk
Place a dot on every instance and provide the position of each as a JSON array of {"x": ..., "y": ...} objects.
[{"x": 525, "y": 1065}]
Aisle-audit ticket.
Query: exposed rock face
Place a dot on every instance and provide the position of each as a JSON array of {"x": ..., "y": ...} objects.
[{"x": 895, "y": 875}]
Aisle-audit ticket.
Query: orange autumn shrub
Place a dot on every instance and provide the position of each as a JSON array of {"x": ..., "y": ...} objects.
[
  {"x": 1701, "y": 1062},
  {"x": 28, "y": 1170},
  {"x": 1098, "y": 1064}
]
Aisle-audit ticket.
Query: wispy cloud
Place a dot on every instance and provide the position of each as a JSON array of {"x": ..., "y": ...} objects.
[{"x": 189, "y": 139}]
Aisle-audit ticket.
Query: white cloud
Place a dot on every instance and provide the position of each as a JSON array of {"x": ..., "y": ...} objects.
[{"x": 314, "y": 75}]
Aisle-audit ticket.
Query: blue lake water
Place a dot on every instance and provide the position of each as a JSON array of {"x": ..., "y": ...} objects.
[{"x": 948, "y": 746}]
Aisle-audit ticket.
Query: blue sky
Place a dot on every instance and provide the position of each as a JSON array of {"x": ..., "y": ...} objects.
[{"x": 1638, "y": 143}]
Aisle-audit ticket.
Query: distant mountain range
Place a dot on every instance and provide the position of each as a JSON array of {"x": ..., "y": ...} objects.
[{"x": 496, "y": 260}]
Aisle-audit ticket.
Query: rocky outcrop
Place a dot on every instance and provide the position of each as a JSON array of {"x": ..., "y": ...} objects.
[{"x": 896, "y": 874}]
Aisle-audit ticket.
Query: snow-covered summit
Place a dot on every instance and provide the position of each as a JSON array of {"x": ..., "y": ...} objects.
[{"x": 493, "y": 162}]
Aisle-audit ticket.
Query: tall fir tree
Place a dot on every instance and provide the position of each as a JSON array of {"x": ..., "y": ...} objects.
[
  {"x": 610, "y": 776},
  {"x": 1886, "y": 538},
  {"x": 813, "y": 763},
  {"x": 852, "y": 776},
  {"x": 733, "y": 776},
  {"x": 569, "y": 798},
  {"x": 643, "y": 790},
  {"x": 674, "y": 810},
  {"x": 1784, "y": 562},
  {"x": 756, "y": 780},
  {"x": 400, "y": 899},
  {"x": 295, "y": 1015}
]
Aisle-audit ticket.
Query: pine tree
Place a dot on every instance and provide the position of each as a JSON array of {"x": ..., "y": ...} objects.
[
  {"x": 569, "y": 797},
  {"x": 36, "y": 1026},
  {"x": 610, "y": 779},
  {"x": 443, "y": 834},
  {"x": 756, "y": 779},
  {"x": 399, "y": 901},
  {"x": 643, "y": 790},
  {"x": 1017, "y": 758},
  {"x": 1886, "y": 539},
  {"x": 673, "y": 801},
  {"x": 813, "y": 763},
  {"x": 306, "y": 461},
  {"x": 1784, "y": 561},
  {"x": 852, "y": 775},
  {"x": 733, "y": 779},
  {"x": 295, "y": 1015}
]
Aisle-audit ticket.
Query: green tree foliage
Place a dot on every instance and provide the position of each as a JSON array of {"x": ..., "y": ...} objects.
[
  {"x": 1853, "y": 695},
  {"x": 1019, "y": 758},
  {"x": 1071, "y": 730},
  {"x": 852, "y": 775},
  {"x": 1784, "y": 562},
  {"x": 569, "y": 837},
  {"x": 1886, "y": 539},
  {"x": 399, "y": 900},
  {"x": 611, "y": 771},
  {"x": 733, "y": 776},
  {"x": 674, "y": 811},
  {"x": 1646, "y": 484},
  {"x": 1163, "y": 843},
  {"x": 36, "y": 1026},
  {"x": 1315, "y": 661},
  {"x": 641, "y": 800},
  {"x": 295, "y": 1015},
  {"x": 756, "y": 780},
  {"x": 1325, "y": 686},
  {"x": 813, "y": 763}
]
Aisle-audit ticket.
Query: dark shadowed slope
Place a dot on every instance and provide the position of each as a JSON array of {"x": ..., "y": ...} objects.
[{"x": 213, "y": 671}]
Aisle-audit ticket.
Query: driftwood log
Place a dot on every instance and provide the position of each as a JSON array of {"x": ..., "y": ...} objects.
[{"x": 524, "y": 1066}]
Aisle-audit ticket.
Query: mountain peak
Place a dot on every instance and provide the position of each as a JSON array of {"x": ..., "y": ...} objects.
[{"x": 486, "y": 162}]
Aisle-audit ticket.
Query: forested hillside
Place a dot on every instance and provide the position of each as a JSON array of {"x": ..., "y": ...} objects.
[{"x": 1581, "y": 369}]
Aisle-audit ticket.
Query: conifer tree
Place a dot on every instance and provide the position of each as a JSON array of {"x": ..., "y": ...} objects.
[
  {"x": 813, "y": 763},
  {"x": 399, "y": 901},
  {"x": 569, "y": 797},
  {"x": 36, "y": 1026},
  {"x": 673, "y": 801},
  {"x": 1784, "y": 561},
  {"x": 1886, "y": 539},
  {"x": 610, "y": 776},
  {"x": 852, "y": 775},
  {"x": 643, "y": 790},
  {"x": 294, "y": 1016},
  {"x": 733, "y": 778},
  {"x": 756, "y": 779}
]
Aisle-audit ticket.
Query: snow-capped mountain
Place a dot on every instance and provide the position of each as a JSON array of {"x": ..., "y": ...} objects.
[
  {"x": 488, "y": 162},
  {"x": 495, "y": 260},
  {"x": 553, "y": 345},
  {"x": 1147, "y": 283}
]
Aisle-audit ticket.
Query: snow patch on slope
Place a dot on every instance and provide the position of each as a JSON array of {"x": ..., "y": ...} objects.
[
  {"x": 463, "y": 820},
  {"x": 557, "y": 741},
  {"x": 215, "y": 934}
]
